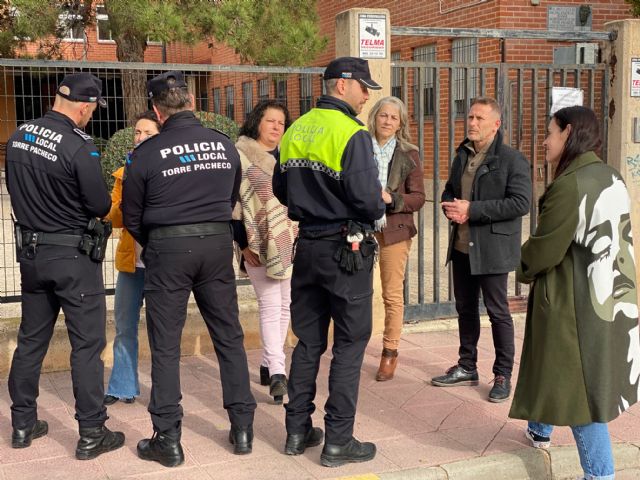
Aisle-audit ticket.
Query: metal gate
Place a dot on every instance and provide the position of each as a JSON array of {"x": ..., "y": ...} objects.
[{"x": 438, "y": 96}]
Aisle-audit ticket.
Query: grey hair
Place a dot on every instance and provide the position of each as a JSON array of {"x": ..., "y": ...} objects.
[
  {"x": 330, "y": 84},
  {"x": 489, "y": 101},
  {"x": 173, "y": 100},
  {"x": 403, "y": 137}
]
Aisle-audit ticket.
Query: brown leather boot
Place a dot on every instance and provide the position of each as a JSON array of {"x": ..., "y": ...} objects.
[{"x": 388, "y": 363}]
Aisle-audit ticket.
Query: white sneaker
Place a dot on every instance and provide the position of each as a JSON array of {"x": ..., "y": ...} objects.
[{"x": 537, "y": 441}]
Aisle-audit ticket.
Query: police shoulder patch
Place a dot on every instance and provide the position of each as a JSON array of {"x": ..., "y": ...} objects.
[
  {"x": 220, "y": 132},
  {"x": 85, "y": 136}
]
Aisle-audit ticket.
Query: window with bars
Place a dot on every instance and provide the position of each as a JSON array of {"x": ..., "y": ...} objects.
[
  {"x": 263, "y": 89},
  {"x": 229, "y": 101},
  {"x": 247, "y": 98},
  {"x": 426, "y": 53},
  {"x": 281, "y": 91},
  {"x": 306, "y": 94},
  {"x": 396, "y": 76},
  {"x": 217, "y": 107},
  {"x": 102, "y": 24},
  {"x": 465, "y": 80}
]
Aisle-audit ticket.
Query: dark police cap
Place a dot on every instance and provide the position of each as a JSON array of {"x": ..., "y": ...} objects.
[
  {"x": 165, "y": 81},
  {"x": 351, "y": 68},
  {"x": 82, "y": 87}
]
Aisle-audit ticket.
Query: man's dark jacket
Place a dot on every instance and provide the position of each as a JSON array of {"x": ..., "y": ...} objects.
[{"x": 500, "y": 196}]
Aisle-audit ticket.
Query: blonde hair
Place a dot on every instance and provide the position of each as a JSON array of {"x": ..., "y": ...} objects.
[{"x": 403, "y": 137}]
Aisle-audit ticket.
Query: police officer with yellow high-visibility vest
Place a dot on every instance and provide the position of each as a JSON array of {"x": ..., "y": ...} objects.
[{"x": 328, "y": 179}]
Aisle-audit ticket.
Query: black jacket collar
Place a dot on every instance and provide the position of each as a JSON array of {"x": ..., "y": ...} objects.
[
  {"x": 62, "y": 117},
  {"x": 333, "y": 103},
  {"x": 180, "y": 120},
  {"x": 493, "y": 149}
]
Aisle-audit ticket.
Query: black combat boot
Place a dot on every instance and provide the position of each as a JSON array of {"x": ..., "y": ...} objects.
[
  {"x": 162, "y": 448},
  {"x": 21, "y": 437},
  {"x": 242, "y": 439},
  {"x": 95, "y": 441}
]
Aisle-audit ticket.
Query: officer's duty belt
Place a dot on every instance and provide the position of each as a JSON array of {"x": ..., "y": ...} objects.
[
  {"x": 190, "y": 230},
  {"x": 41, "y": 238}
]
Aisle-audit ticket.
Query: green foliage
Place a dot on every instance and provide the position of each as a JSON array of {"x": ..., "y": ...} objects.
[
  {"x": 114, "y": 151},
  {"x": 274, "y": 32},
  {"x": 635, "y": 7},
  {"x": 23, "y": 20},
  {"x": 277, "y": 32},
  {"x": 219, "y": 122}
]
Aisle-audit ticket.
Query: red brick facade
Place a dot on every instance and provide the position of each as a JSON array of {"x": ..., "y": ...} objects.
[{"x": 496, "y": 14}]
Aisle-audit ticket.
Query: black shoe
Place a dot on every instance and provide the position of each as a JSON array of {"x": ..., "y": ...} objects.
[
  {"x": 95, "y": 441},
  {"x": 278, "y": 387},
  {"x": 297, "y": 442},
  {"x": 242, "y": 439},
  {"x": 264, "y": 375},
  {"x": 164, "y": 449},
  {"x": 352, "y": 452},
  {"x": 110, "y": 399},
  {"x": 456, "y": 376},
  {"x": 21, "y": 437},
  {"x": 501, "y": 389}
]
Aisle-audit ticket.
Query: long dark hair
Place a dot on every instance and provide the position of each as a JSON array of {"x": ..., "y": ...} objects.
[
  {"x": 583, "y": 137},
  {"x": 250, "y": 126}
]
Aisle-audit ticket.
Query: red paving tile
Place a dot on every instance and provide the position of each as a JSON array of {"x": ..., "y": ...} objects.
[{"x": 412, "y": 422}]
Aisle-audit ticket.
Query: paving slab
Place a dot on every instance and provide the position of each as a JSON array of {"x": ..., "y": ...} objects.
[{"x": 421, "y": 431}]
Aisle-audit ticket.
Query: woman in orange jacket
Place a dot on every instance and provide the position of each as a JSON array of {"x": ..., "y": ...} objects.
[{"x": 123, "y": 383}]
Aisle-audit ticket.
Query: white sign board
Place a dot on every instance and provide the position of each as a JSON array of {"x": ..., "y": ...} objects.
[
  {"x": 562, "y": 97},
  {"x": 373, "y": 35},
  {"x": 635, "y": 77}
]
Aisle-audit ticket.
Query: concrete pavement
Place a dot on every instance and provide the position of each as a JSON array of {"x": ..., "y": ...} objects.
[{"x": 421, "y": 431}]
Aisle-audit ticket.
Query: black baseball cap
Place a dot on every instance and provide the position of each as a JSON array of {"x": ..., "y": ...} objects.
[
  {"x": 82, "y": 87},
  {"x": 351, "y": 68},
  {"x": 165, "y": 81}
]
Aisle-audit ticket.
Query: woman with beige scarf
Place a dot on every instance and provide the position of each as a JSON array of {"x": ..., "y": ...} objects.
[{"x": 266, "y": 236}]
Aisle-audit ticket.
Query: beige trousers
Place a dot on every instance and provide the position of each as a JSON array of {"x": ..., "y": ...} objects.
[{"x": 393, "y": 261}]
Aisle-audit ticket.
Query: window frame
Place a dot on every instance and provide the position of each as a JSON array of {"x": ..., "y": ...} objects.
[
  {"x": 466, "y": 53},
  {"x": 229, "y": 107},
  {"x": 425, "y": 53},
  {"x": 63, "y": 17},
  {"x": 105, "y": 17}
]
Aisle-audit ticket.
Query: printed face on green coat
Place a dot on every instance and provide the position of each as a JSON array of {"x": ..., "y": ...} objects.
[{"x": 611, "y": 270}]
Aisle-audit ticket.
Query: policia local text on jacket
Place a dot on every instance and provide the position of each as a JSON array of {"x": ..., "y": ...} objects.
[
  {"x": 56, "y": 185},
  {"x": 179, "y": 188},
  {"x": 327, "y": 176}
]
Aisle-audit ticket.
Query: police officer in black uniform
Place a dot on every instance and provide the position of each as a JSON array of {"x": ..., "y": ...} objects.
[
  {"x": 56, "y": 188},
  {"x": 179, "y": 189},
  {"x": 328, "y": 179}
]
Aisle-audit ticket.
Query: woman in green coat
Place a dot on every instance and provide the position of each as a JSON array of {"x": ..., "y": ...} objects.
[{"x": 580, "y": 362}]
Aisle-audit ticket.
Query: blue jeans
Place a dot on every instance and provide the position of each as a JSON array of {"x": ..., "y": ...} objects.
[
  {"x": 128, "y": 302},
  {"x": 594, "y": 448}
]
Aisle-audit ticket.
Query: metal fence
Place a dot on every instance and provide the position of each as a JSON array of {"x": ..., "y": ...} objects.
[
  {"x": 438, "y": 96},
  {"x": 27, "y": 91}
]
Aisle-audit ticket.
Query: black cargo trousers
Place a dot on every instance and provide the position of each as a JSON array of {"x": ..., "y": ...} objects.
[
  {"x": 174, "y": 268},
  {"x": 55, "y": 277},
  {"x": 321, "y": 291}
]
